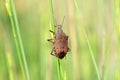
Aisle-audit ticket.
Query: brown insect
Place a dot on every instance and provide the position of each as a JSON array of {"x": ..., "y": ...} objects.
[{"x": 60, "y": 43}]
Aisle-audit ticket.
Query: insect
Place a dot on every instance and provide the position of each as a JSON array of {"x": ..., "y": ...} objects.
[{"x": 60, "y": 43}]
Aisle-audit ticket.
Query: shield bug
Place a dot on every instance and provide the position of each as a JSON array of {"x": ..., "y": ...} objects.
[{"x": 60, "y": 43}]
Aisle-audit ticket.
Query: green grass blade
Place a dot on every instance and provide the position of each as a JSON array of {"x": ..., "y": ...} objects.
[
  {"x": 16, "y": 32},
  {"x": 17, "y": 46},
  {"x": 116, "y": 10},
  {"x": 52, "y": 18},
  {"x": 20, "y": 40},
  {"x": 89, "y": 46},
  {"x": 59, "y": 69},
  {"x": 10, "y": 65},
  {"x": 61, "y": 75},
  {"x": 92, "y": 56}
]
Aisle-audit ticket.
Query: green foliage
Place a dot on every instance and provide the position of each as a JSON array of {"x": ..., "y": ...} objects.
[{"x": 93, "y": 28}]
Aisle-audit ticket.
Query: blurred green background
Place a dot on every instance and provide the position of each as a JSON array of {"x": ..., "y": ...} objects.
[{"x": 98, "y": 19}]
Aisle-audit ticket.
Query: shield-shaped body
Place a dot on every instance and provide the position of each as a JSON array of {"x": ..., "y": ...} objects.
[{"x": 60, "y": 43}]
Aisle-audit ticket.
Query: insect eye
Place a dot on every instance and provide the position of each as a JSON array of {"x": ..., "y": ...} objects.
[{"x": 59, "y": 26}]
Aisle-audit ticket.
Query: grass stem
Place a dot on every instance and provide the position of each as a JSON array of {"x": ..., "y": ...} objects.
[
  {"x": 58, "y": 67},
  {"x": 60, "y": 72},
  {"x": 89, "y": 46},
  {"x": 16, "y": 32},
  {"x": 52, "y": 18},
  {"x": 116, "y": 10},
  {"x": 92, "y": 56}
]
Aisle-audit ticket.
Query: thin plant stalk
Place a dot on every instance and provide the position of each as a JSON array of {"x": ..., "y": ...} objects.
[
  {"x": 62, "y": 75},
  {"x": 17, "y": 46},
  {"x": 116, "y": 10},
  {"x": 52, "y": 27},
  {"x": 52, "y": 19},
  {"x": 117, "y": 24},
  {"x": 89, "y": 46},
  {"x": 10, "y": 64},
  {"x": 92, "y": 56},
  {"x": 9, "y": 57},
  {"x": 20, "y": 40},
  {"x": 58, "y": 67},
  {"x": 16, "y": 32}
]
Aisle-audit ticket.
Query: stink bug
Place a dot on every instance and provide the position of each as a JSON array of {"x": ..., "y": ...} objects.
[{"x": 60, "y": 43}]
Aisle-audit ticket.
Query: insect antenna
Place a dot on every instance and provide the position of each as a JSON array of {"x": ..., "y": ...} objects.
[
  {"x": 63, "y": 20},
  {"x": 60, "y": 26}
]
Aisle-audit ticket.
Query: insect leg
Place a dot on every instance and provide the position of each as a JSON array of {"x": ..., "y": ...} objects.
[
  {"x": 52, "y": 32},
  {"x": 52, "y": 53},
  {"x": 51, "y": 40},
  {"x": 69, "y": 50}
]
